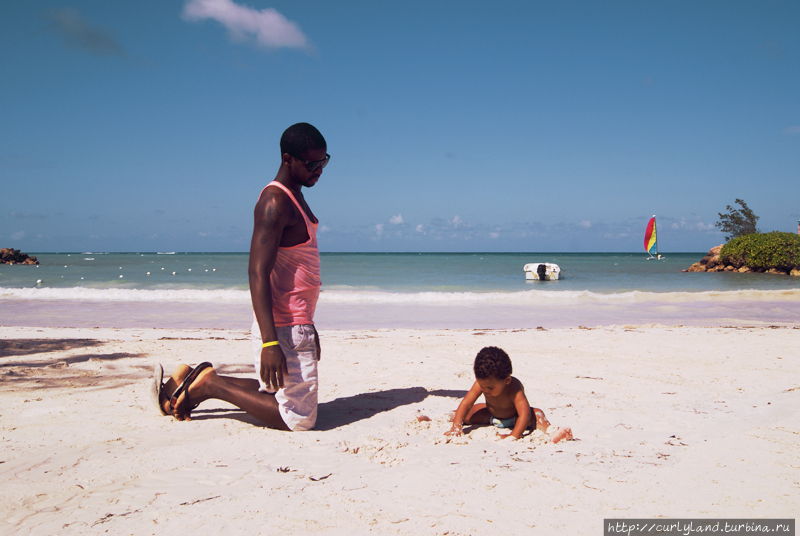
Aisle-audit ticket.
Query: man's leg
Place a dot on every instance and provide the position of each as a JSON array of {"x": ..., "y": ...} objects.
[{"x": 242, "y": 393}]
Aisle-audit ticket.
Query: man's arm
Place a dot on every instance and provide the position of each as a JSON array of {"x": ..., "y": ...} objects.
[
  {"x": 463, "y": 409},
  {"x": 271, "y": 217}
]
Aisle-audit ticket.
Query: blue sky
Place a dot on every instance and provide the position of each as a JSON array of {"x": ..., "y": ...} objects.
[{"x": 453, "y": 126}]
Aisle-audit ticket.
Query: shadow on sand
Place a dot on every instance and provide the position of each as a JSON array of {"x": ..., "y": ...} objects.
[
  {"x": 347, "y": 410},
  {"x": 18, "y": 347}
]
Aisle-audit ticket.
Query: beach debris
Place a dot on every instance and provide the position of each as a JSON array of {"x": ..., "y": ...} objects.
[
  {"x": 199, "y": 501},
  {"x": 675, "y": 441},
  {"x": 107, "y": 517},
  {"x": 286, "y": 470},
  {"x": 318, "y": 478}
]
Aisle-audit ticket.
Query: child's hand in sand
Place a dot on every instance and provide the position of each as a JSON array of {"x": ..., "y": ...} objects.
[
  {"x": 505, "y": 436},
  {"x": 454, "y": 431}
]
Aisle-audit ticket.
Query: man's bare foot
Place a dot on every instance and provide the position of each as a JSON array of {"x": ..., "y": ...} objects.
[
  {"x": 560, "y": 434},
  {"x": 197, "y": 391},
  {"x": 171, "y": 384}
]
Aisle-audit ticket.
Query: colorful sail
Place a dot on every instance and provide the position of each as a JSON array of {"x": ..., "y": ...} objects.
[{"x": 650, "y": 244}]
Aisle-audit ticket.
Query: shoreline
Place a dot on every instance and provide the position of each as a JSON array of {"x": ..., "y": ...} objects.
[
  {"x": 222, "y": 315},
  {"x": 682, "y": 422}
]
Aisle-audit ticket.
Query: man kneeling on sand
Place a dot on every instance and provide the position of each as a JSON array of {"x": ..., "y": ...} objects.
[
  {"x": 506, "y": 404},
  {"x": 284, "y": 286}
]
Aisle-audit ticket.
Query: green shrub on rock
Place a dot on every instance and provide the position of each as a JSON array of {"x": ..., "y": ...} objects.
[{"x": 762, "y": 251}]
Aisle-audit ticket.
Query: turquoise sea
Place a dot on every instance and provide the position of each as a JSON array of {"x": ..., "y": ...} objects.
[{"x": 374, "y": 290}]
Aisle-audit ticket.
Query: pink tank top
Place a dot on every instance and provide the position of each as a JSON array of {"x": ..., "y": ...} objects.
[{"x": 295, "y": 278}]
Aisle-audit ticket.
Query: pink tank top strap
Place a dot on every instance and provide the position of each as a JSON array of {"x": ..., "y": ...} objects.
[{"x": 311, "y": 227}]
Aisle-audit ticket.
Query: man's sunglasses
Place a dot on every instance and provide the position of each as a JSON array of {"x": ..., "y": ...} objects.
[{"x": 312, "y": 165}]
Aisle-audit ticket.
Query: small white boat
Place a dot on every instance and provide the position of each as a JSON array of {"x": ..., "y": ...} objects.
[{"x": 542, "y": 271}]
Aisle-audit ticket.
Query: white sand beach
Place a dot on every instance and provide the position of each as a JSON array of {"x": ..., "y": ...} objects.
[{"x": 668, "y": 421}]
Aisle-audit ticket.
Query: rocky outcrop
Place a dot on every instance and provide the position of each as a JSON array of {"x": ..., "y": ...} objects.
[
  {"x": 13, "y": 256},
  {"x": 712, "y": 263}
]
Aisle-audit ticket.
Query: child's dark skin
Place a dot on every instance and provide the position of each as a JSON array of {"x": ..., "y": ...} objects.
[{"x": 505, "y": 398}]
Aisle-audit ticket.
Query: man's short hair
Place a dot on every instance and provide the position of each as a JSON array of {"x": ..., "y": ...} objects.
[
  {"x": 492, "y": 362},
  {"x": 300, "y": 138}
]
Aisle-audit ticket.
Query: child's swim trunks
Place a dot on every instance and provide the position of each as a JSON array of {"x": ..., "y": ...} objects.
[{"x": 504, "y": 423}]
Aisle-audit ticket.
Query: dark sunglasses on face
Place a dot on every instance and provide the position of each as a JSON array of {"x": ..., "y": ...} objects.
[{"x": 312, "y": 165}]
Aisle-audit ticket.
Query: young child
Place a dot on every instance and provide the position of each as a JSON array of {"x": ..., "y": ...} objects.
[{"x": 506, "y": 404}]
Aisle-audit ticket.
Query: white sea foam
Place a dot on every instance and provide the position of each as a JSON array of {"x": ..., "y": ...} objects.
[
  {"x": 565, "y": 297},
  {"x": 126, "y": 295},
  {"x": 370, "y": 297}
]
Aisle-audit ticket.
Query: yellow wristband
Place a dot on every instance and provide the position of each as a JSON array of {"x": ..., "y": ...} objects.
[{"x": 270, "y": 343}]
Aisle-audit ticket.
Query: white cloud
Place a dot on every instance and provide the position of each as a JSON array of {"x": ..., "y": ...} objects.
[
  {"x": 494, "y": 235},
  {"x": 324, "y": 229},
  {"x": 269, "y": 28},
  {"x": 791, "y": 131},
  {"x": 26, "y": 215},
  {"x": 379, "y": 229},
  {"x": 18, "y": 235},
  {"x": 421, "y": 229},
  {"x": 396, "y": 220},
  {"x": 586, "y": 224},
  {"x": 696, "y": 225},
  {"x": 458, "y": 222}
]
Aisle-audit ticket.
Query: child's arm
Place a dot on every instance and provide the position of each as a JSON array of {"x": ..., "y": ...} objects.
[
  {"x": 463, "y": 409},
  {"x": 523, "y": 414}
]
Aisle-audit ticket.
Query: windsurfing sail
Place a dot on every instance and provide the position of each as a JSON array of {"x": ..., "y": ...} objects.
[{"x": 650, "y": 244}]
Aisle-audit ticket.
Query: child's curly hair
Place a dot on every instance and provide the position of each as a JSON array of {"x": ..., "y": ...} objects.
[{"x": 492, "y": 362}]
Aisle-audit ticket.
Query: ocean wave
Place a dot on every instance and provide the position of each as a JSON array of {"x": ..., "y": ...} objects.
[
  {"x": 127, "y": 295},
  {"x": 550, "y": 297},
  {"x": 372, "y": 297}
]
